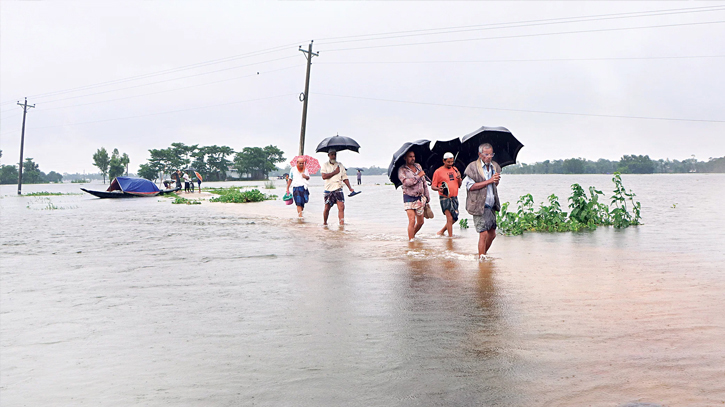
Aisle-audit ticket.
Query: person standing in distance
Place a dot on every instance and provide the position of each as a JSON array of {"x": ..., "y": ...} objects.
[
  {"x": 482, "y": 178},
  {"x": 447, "y": 180},
  {"x": 335, "y": 175}
]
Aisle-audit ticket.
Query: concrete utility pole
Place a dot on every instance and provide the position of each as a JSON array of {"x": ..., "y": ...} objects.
[
  {"x": 304, "y": 96},
  {"x": 22, "y": 141}
]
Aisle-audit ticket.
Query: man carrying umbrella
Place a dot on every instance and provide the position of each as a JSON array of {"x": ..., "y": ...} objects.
[
  {"x": 335, "y": 175},
  {"x": 482, "y": 178}
]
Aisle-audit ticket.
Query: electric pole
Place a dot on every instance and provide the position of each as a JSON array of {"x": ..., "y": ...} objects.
[
  {"x": 22, "y": 141},
  {"x": 304, "y": 96}
]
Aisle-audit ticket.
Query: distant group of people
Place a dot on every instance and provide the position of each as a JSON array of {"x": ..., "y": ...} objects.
[
  {"x": 480, "y": 179},
  {"x": 188, "y": 181}
]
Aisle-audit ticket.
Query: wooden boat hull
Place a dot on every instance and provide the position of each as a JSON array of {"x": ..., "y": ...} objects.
[{"x": 119, "y": 194}]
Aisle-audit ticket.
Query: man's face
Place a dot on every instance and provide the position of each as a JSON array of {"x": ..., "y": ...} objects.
[
  {"x": 486, "y": 156},
  {"x": 300, "y": 163},
  {"x": 332, "y": 156},
  {"x": 410, "y": 158},
  {"x": 448, "y": 162}
]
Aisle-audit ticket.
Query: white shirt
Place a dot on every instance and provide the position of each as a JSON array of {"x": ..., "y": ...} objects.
[
  {"x": 487, "y": 174},
  {"x": 297, "y": 179},
  {"x": 186, "y": 177},
  {"x": 335, "y": 182}
]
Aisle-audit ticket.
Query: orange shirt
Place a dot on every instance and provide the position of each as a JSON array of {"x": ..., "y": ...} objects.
[{"x": 449, "y": 176}]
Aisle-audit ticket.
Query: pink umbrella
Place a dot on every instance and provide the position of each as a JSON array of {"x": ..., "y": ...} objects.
[{"x": 311, "y": 163}]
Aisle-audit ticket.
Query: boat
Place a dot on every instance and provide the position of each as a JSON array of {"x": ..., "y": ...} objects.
[{"x": 130, "y": 187}]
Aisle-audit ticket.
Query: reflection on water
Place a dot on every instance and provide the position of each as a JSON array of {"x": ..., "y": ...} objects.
[{"x": 140, "y": 302}]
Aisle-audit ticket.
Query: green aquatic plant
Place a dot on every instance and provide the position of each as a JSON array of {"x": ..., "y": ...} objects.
[
  {"x": 80, "y": 181},
  {"x": 463, "y": 223},
  {"x": 46, "y": 193},
  {"x": 587, "y": 212},
  {"x": 183, "y": 201},
  {"x": 269, "y": 185},
  {"x": 234, "y": 195}
]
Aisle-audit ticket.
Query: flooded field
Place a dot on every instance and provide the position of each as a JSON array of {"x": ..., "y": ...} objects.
[{"x": 141, "y": 302}]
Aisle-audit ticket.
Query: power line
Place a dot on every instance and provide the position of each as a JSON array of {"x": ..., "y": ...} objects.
[
  {"x": 160, "y": 113},
  {"x": 171, "y": 90},
  {"x": 530, "y": 23},
  {"x": 167, "y": 80},
  {"x": 526, "y": 35},
  {"x": 522, "y": 60},
  {"x": 624, "y": 15},
  {"x": 521, "y": 110},
  {"x": 171, "y": 70}
]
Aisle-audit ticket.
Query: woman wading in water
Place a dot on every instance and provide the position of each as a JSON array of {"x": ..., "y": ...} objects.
[{"x": 415, "y": 193}]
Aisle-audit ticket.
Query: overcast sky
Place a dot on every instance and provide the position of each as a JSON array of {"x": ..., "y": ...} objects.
[{"x": 567, "y": 78}]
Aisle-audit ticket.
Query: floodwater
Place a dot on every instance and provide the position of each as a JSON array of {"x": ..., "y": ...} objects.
[{"x": 140, "y": 302}]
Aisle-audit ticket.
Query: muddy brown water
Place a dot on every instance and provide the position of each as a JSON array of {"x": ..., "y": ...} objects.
[{"x": 140, "y": 302}]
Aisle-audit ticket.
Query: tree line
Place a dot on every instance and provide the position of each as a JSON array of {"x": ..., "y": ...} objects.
[
  {"x": 628, "y": 164},
  {"x": 213, "y": 162},
  {"x": 31, "y": 173}
]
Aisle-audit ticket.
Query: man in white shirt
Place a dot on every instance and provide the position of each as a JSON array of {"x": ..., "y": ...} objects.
[{"x": 335, "y": 175}]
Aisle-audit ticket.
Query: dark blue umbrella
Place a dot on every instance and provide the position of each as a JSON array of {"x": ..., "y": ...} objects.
[
  {"x": 435, "y": 160},
  {"x": 421, "y": 148},
  {"x": 505, "y": 146},
  {"x": 337, "y": 143}
]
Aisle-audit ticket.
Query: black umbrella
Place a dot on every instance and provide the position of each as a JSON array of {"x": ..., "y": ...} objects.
[
  {"x": 337, "y": 143},
  {"x": 189, "y": 169},
  {"x": 421, "y": 148},
  {"x": 505, "y": 146},
  {"x": 435, "y": 160}
]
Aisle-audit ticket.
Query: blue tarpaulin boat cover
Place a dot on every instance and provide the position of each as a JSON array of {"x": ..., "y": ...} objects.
[{"x": 136, "y": 186}]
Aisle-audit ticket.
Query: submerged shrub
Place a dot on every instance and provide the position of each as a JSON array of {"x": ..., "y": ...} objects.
[
  {"x": 234, "y": 195},
  {"x": 586, "y": 212}
]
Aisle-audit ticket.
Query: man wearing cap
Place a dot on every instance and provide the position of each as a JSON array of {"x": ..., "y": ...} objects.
[
  {"x": 447, "y": 180},
  {"x": 482, "y": 178},
  {"x": 335, "y": 175}
]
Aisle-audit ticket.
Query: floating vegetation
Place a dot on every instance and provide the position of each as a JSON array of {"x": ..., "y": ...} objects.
[
  {"x": 80, "y": 181},
  {"x": 46, "y": 193},
  {"x": 183, "y": 201},
  {"x": 235, "y": 195},
  {"x": 269, "y": 185},
  {"x": 586, "y": 212},
  {"x": 463, "y": 223}
]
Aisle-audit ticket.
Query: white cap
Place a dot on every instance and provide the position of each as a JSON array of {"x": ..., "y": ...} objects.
[{"x": 447, "y": 156}]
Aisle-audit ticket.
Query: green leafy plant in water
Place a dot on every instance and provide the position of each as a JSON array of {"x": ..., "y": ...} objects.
[
  {"x": 587, "y": 212},
  {"x": 45, "y": 193},
  {"x": 183, "y": 201},
  {"x": 269, "y": 185},
  {"x": 463, "y": 223},
  {"x": 234, "y": 195},
  {"x": 551, "y": 218},
  {"x": 80, "y": 181}
]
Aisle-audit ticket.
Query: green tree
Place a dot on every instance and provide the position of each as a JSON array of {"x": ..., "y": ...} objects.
[
  {"x": 102, "y": 161},
  {"x": 8, "y": 174},
  {"x": 636, "y": 164},
  {"x": 148, "y": 172},
  {"x": 115, "y": 168},
  {"x": 217, "y": 161},
  {"x": 54, "y": 177},
  {"x": 573, "y": 166},
  {"x": 125, "y": 160},
  {"x": 258, "y": 162},
  {"x": 32, "y": 173}
]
